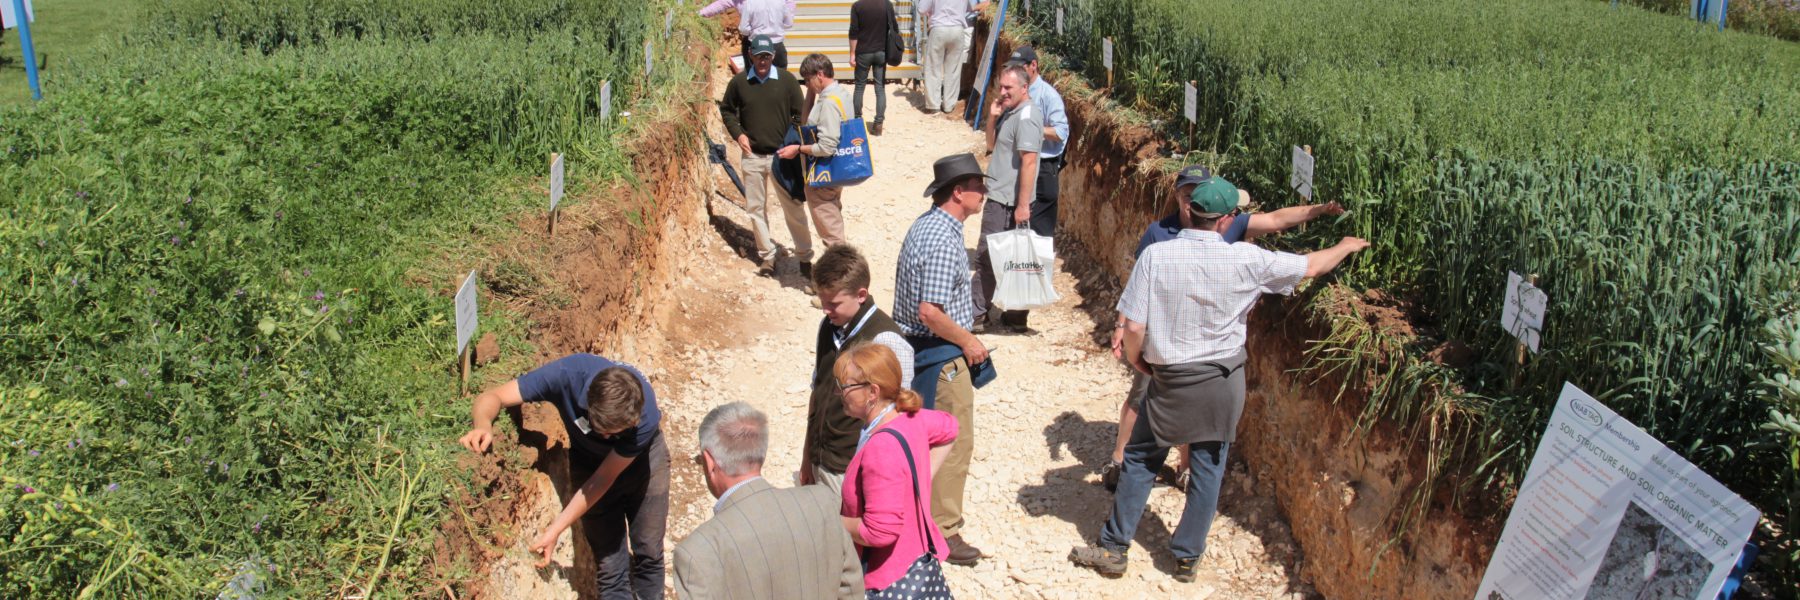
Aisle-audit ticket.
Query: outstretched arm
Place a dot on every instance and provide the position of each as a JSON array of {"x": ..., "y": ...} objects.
[
  {"x": 1286, "y": 218},
  {"x": 579, "y": 503},
  {"x": 482, "y": 413},
  {"x": 1323, "y": 261}
]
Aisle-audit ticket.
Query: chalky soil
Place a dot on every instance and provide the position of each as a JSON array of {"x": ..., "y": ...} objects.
[{"x": 1042, "y": 429}]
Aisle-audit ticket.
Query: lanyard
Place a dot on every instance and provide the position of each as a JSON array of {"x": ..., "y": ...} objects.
[
  {"x": 842, "y": 335},
  {"x": 869, "y": 430}
]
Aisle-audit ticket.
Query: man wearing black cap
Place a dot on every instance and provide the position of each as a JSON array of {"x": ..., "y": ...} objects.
[
  {"x": 759, "y": 107},
  {"x": 934, "y": 309},
  {"x": 1194, "y": 283},
  {"x": 1245, "y": 228}
]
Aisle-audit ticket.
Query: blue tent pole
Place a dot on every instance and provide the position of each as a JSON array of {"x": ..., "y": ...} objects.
[{"x": 31, "y": 75}]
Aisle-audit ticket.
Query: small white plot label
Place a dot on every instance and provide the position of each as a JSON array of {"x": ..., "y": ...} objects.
[
  {"x": 668, "y": 22},
  {"x": 1302, "y": 178},
  {"x": 1059, "y": 19},
  {"x": 649, "y": 57},
  {"x": 466, "y": 313},
  {"x": 556, "y": 180},
  {"x": 1190, "y": 106},
  {"x": 1523, "y": 313},
  {"x": 1106, "y": 53},
  {"x": 605, "y": 100}
]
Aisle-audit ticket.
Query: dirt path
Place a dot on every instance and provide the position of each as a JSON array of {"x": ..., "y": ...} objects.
[{"x": 1042, "y": 429}]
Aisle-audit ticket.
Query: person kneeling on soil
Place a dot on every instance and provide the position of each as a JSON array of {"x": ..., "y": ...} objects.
[
  {"x": 616, "y": 454},
  {"x": 1195, "y": 282},
  {"x": 842, "y": 280}
]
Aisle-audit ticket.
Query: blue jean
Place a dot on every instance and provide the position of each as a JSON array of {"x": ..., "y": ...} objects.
[
  {"x": 872, "y": 63},
  {"x": 1205, "y": 472}
]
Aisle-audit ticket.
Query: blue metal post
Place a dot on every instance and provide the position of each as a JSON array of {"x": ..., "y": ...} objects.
[{"x": 31, "y": 75}]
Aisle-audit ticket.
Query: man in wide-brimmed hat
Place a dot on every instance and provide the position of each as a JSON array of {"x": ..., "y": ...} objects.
[{"x": 934, "y": 308}]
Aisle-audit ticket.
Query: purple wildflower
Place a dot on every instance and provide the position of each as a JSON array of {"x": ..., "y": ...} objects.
[
  {"x": 324, "y": 309},
  {"x": 34, "y": 453},
  {"x": 71, "y": 443},
  {"x": 188, "y": 439},
  {"x": 30, "y": 490},
  {"x": 190, "y": 200},
  {"x": 278, "y": 215},
  {"x": 175, "y": 240},
  {"x": 82, "y": 195},
  {"x": 112, "y": 487},
  {"x": 152, "y": 291},
  {"x": 59, "y": 506},
  {"x": 257, "y": 527},
  {"x": 237, "y": 292},
  {"x": 318, "y": 295},
  {"x": 121, "y": 382}
]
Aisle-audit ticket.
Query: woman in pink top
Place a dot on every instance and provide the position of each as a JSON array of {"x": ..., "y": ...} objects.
[{"x": 880, "y": 508}]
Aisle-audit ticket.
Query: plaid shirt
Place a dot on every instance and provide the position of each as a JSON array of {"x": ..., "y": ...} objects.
[
  {"x": 933, "y": 267},
  {"x": 1194, "y": 294}
]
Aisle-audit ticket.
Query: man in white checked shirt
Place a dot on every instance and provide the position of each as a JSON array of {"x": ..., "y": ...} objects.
[{"x": 1185, "y": 310}]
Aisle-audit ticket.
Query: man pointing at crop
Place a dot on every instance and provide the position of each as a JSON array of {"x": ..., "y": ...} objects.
[
  {"x": 1185, "y": 309},
  {"x": 616, "y": 453}
]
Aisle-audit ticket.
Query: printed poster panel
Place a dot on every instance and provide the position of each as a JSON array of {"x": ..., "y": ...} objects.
[
  {"x": 556, "y": 180},
  {"x": 1606, "y": 512},
  {"x": 465, "y": 313},
  {"x": 1523, "y": 312}
]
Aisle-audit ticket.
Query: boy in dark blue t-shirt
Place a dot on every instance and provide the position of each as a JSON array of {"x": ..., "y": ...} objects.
[{"x": 616, "y": 455}]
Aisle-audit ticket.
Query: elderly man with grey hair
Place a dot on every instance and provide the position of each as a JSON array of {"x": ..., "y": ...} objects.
[{"x": 762, "y": 543}]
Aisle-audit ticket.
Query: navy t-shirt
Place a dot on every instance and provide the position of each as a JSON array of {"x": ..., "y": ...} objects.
[
  {"x": 564, "y": 382},
  {"x": 1170, "y": 227}
]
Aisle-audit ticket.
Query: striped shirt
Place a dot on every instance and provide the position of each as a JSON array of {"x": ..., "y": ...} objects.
[
  {"x": 933, "y": 267},
  {"x": 1194, "y": 294}
]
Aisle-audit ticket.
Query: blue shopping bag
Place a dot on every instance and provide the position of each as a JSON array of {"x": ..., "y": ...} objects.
[{"x": 851, "y": 165}]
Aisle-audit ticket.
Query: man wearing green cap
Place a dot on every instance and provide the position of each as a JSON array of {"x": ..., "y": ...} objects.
[{"x": 1185, "y": 310}]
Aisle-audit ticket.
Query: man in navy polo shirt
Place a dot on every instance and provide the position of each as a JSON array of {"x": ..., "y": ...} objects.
[
  {"x": 1241, "y": 230},
  {"x": 617, "y": 455}
]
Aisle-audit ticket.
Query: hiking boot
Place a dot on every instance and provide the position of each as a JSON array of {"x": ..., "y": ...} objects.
[
  {"x": 1109, "y": 475},
  {"x": 1184, "y": 569},
  {"x": 875, "y": 129},
  {"x": 961, "y": 553},
  {"x": 1107, "y": 561}
]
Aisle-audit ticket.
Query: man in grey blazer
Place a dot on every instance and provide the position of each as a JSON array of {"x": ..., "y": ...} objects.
[{"x": 762, "y": 543}]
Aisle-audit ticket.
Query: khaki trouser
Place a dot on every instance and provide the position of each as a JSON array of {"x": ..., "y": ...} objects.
[
  {"x": 827, "y": 206},
  {"x": 944, "y": 50},
  {"x": 757, "y": 183},
  {"x": 835, "y": 481},
  {"x": 955, "y": 395}
]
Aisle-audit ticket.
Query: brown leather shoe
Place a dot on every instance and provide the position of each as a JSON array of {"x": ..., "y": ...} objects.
[{"x": 961, "y": 553}]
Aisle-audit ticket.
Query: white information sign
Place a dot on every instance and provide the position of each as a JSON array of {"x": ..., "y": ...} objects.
[
  {"x": 1523, "y": 313},
  {"x": 1190, "y": 106},
  {"x": 605, "y": 100},
  {"x": 556, "y": 180},
  {"x": 1059, "y": 17},
  {"x": 465, "y": 313},
  {"x": 1106, "y": 53},
  {"x": 8, "y": 20},
  {"x": 668, "y": 22},
  {"x": 1607, "y": 511},
  {"x": 649, "y": 56},
  {"x": 1302, "y": 178}
]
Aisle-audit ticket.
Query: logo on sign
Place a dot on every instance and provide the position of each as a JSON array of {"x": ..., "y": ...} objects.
[{"x": 1587, "y": 413}]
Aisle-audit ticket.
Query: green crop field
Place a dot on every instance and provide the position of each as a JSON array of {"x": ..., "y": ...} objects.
[
  {"x": 64, "y": 33},
  {"x": 219, "y": 357},
  {"x": 1645, "y": 166}
]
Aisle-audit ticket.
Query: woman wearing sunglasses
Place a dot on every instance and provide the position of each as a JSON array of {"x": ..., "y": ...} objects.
[{"x": 889, "y": 480}]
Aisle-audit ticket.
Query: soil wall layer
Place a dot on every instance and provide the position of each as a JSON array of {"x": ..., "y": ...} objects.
[{"x": 1338, "y": 487}]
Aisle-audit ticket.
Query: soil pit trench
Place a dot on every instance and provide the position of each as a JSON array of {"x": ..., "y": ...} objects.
[{"x": 678, "y": 297}]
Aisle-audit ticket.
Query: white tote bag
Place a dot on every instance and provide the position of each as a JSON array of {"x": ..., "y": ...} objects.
[{"x": 1024, "y": 269}]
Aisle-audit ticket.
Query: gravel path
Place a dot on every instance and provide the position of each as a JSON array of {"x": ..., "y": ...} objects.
[{"x": 1042, "y": 429}]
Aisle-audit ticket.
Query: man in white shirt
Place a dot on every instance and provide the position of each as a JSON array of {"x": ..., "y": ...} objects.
[
  {"x": 772, "y": 18},
  {"x": 1186, "y": 308},
  {"x": 943, "y": 50}
]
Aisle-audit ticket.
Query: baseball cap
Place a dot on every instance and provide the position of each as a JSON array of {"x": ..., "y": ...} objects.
[
  {"x": 761, "y": 44},
  {"x": 1216, "y": 197},
  {"x": 1022, "y": 55},
  {"x": 1192, "y": 175}
]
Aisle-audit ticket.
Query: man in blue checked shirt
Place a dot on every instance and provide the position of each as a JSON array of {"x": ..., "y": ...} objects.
[{"x": 935, "y": 310}]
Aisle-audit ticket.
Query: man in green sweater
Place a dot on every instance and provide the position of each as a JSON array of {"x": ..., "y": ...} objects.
[{"x": 759, "y": 106}]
